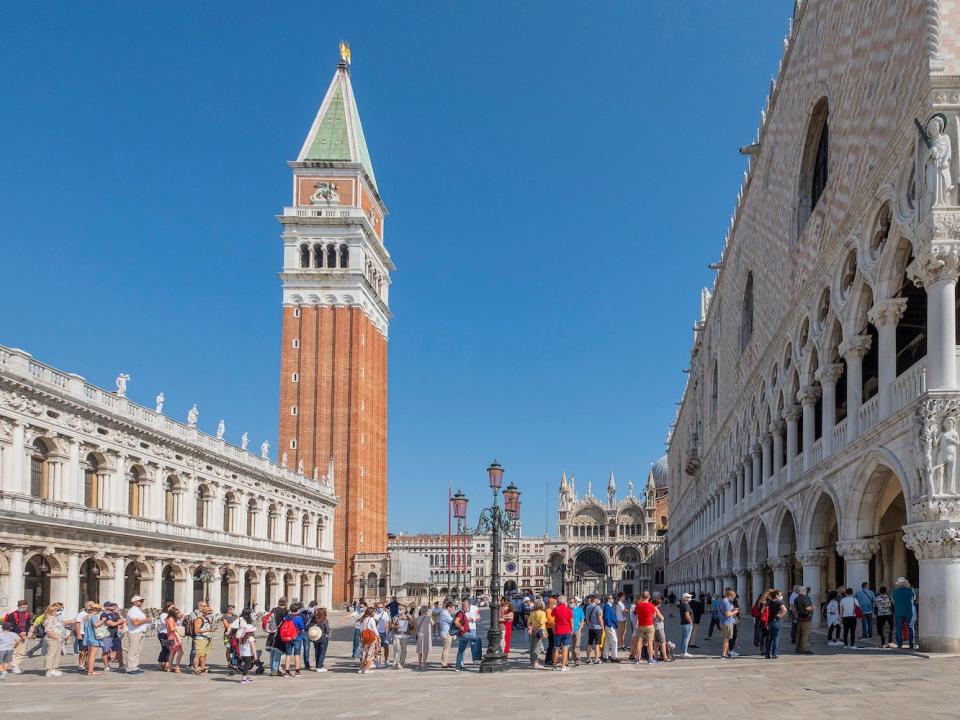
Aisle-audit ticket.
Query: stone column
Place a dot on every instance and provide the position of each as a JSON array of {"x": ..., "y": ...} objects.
[
  {"x": 936, "y": 268},
  {"x": 717, "y": 584},
  {"x": 742, "y": 588},
  {"x": 73, "y": 482},
  {"x": 885, "y": 314},
  {"x": 856, "y": 555},
  {"x": 791, "y": 414},
  {"x": 15, "y": 581},
  {"x": 747, "y": 475},
  {"x": 812, "y": 563},
  {"x": 117, "y": 594},
  {"x": 71, "y": 595},
  {"x": 738, "y": 485},
  {"x": 828, "y": 376},
  {"x": 777, "y": 428},
  {"x": 260, "y": 591},
  {"x": 937, "y": 547},
  {"x": 757, "y": 579},
  {"x": 853, "y": 349},
  {"x": 781, "y": 574},
  {"x": 756, "y": 470},
  {"x": 214, "y": 592},
  {"x": 766, "y": 466},
  {"x": 808, "y": 400},
  {"x": 155, "y": 593}
]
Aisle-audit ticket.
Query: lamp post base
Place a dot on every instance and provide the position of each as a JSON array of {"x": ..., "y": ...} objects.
[{"x": 497, "y": 662}]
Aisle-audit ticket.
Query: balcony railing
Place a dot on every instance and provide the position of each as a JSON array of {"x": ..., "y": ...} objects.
[{"x": 869, "y": 414}]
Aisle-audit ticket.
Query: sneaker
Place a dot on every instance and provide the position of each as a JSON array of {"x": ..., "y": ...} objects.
[
  {"x": 58, "y": 673},
  {"x": 16, "y": 671},
  {"x": 135, "y": 671},
  {"x": 456, "y": 669},
  {"x": 320, "y": 670},
  {"x": 686, "y": 655},
  {"x": 651, "y": 661},
  {"x": 246, "y": 681},
  {"x": 361, "y": 672},
  {"x": 3, "y": 674},
  {"x": 50, "y": 673},
  {"x": 296, "y": 673},
  {"x": 564, "y": 669},
  {"x": 734, "y": 653}
]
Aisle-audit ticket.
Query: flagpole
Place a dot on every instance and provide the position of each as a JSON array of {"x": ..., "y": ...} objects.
[{"x": 449, "y": 538}]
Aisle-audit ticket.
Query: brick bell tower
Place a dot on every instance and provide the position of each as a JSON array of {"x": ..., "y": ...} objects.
[{"x": 333, "y": 363}]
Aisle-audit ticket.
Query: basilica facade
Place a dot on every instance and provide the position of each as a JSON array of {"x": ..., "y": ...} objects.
[
  {"x": 816, "y": 442},
  {"x": 102, "y": 499},
  {"x": 609, "y": 545}
]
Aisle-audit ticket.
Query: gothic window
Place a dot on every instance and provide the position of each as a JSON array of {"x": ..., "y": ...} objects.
[
  {"x": 746, "y": 319},
  {"x": 331, "y": 256},
  {"x": 814, "y": 165},
  {"x": 344, "y": 256},
  {"x": 39, "y": 469},
  {"x": 90, "y": 490},
  {"x": 304, "y": 256},
  {"x": 318, "y": 256},
  {"x": 714, "y": 391}
]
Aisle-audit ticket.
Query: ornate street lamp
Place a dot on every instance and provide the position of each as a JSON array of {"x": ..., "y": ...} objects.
[
  {"x": 460, "y": 503},
  {"x": 563, "y": 571},
  {"x": 497, "y": 522}
]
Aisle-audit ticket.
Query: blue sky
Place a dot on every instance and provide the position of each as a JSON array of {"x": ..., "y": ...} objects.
[{"x": 558, "y": 174}]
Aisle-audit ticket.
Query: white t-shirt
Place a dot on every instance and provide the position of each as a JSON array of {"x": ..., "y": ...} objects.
[
  {"x": 833, "y": 613},
  {"x": 474, "y": 615},
  {"x": 135, "y": 613},
  {"x": 381, "y": 617},
  {"x": 621, "y": 611},
  {"x": 847, "y": 605},
  {"x": 79, "y": 620},
  {"x": 369, "y": 623},
  {"x": 245, "y": 636},
  {"x": 403, "y": 627}
]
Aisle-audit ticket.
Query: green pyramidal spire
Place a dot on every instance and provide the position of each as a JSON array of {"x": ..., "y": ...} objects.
[{"x": 336, "y": 134}]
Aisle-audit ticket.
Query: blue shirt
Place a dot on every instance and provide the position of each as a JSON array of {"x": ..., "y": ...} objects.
[
  {"x": 865, "y": 598},
  {"x": 725, "y": 607},
  {"x": 445, "y": 620},
  {"x": 609, "y": 615},
  {"x": 577, "y": 618},
  {"x": 903, "y": 602}
]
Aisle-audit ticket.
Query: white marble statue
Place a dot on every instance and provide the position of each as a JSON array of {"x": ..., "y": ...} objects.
[
  {"x": 244, "y": 441},
  {"x": 160, "y": 401},
  {"x": 948, "y": 448},
  {"x": 192, "y": 416},
  {"x": 265, "y": 450},
  {"x": 937, "y": 178},
  {"x": 316, "y": 474},
  {"x": 630, "y": 488},
  {"x": 300, "y": 467},
  {"x": 283, "y": 460},
  {"x": 122, "y": 384},
  {"x": 221, "y": 429}
]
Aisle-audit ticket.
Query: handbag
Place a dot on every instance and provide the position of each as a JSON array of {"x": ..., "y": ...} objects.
[
  {"x": 101, "y": 632},
  {"x": 858, "y": 612}
]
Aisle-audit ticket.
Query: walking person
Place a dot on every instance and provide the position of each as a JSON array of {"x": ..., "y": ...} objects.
[
  {"x": 791, "y": 607},
  {"x": 401, "y": 631},
  {"x": 202, "y": 625},
  {"x": 883, "y": 607},
  {"x": 21, "y": 619},
  {"x": 424, "y": 635},
  {"x": 686, "y": 625},
  {"x": 466, "y": 636},
  {"x": 137, "y": 625},
  {"x": 714, "y": 615},
  {"x": 446, "y": 634},
  {"x": 369, "y": 640},
  {"x": 537, "y": 633},
  {"x": 320, "y": 645},
  {"x": 610, "y": 629},
  {"x": 175, "y": 635},
  {"x": 833, "y": 619},
  {"x": 903, "y": 600},
  {"x": 506, "y": 622},
  {"x": 848, "y": 618},
  {"x": 803, "y": 610},
  {"x": 53, "y": 634},
  {"x": 697, "y": 607},
  {"x": 865, "y": 597},
  {"x": 774, "y": 610}
]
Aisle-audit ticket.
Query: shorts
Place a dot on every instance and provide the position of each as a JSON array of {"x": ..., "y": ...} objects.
[
  {"x": 593, "y": 636},
  {"x": 727, "y": 630},
  {"x": 201, "y": 646},
  {"x": 6, "y": 656},
  {"x": 383, "y": 640},
  {"x": 563, "y": 640},
  {"x": 646, "y": 632},
  {"x": 288, "y": 647},
  {"x": 110, "y": 644}
]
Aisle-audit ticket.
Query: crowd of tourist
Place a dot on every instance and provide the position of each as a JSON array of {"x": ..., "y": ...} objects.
[{"x": 559, "y": 632}]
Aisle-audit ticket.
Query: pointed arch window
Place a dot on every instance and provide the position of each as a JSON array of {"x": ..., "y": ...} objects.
[
  {"x": 331, "y": 256},
  {"x": 344, "y": 256},
  {"x": 815, "y": 163},
  {"x": 746, "y": 319},
  {"x": 304, "y": 256}
]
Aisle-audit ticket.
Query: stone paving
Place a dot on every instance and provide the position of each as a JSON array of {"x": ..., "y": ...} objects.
[{"x": 858, "y": 684}]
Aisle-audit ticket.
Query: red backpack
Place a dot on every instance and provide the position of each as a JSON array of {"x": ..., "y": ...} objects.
[
  {"x": 288, "y": 630},
  {"x": 765, "y": 615}
]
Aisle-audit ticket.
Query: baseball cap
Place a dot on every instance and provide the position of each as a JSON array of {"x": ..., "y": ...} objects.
[
  {"x": 136, "y": 598},
  {"x": 687, "y": 595}
]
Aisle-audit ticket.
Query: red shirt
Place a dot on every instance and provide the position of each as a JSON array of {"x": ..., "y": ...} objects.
[
  {"x": 644, "y": 612},
  {"x": 562, "y": 620}
]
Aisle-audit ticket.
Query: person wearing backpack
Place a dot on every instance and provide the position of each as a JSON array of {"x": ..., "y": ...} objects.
[
  {"x": 202, "y": 624},
  {"x": 772, "y": 616},
  {"x": 289, "y": 632},
  {"x": 467, "y": 636},
  {"x": 22, "y": 620},
  {"x": 271, "y": 623}
]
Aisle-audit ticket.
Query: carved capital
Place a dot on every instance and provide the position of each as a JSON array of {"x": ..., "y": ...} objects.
[
  {"x": 933, "y": 509},
  {"x": 766, "y": 439},
  {"x": 939, "y": 254},
  {"x": 757, "y": 567},
  {"x": 791, "y": 413},
  {"x": 855, "y": 347},
  {"x": 814, "y": 558},
  {"x": 756, "y": 450},
  {"x": 741, "y": 572},
  {"x": 931, "y": 541},
  {"x": 829, "y": 374},
  {"x": 779, "y": 563},
  {"x": 777, "y": 427},
  {"x": 858, "y": 549},
  {"x": 809, "y": 395},
  {"x": 887, "y": 312}
]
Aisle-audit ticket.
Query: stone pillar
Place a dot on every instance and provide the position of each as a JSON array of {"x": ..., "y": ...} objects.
[
  {"x": 214, "y": 593},
  {"x": 937, "y": 548},
  {"x": 742, "y": 588},
  {"x": 885, "y": 314},
  {"x": 747, "y": 475},
  {"x": 15, "y": 581},
  {"x": 738, "y": 485},
  {"x": 808, "y": 401},
  {"x": 116, "y": 593},
  {"x": 260, "y": 591},
  {"x": 155, "y": 593},
  {"x": 71, "y": 594},
  {"x": 717, "y": 584},
  {"x": 812, "y": 563},
  {"x": 73, "y": 481},
  {"x": 757, "y": 580},
  {"x": 18, "y": 482},
  {"x": 781, "y": 574},
  {"x": 828, "y": 376},
  {"x": 777, "y": 428},
  {"x": 856, "y": 556},
  {"x": 791, "y": 414},
  {"x": 756, "y": 470},
  {"x": 766, "y": 469},
  {"x": 939, "y": 275},
  {"x": 853, "y": 349}
]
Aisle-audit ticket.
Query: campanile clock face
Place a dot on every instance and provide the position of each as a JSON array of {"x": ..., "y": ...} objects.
[{"x": 511, "y": 567}]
